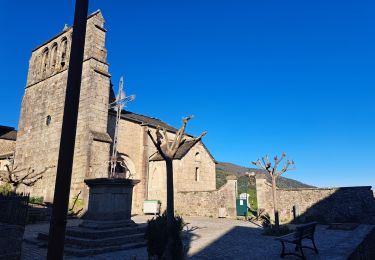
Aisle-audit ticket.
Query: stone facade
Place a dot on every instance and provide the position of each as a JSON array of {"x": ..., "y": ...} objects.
[
  {"x": 7, "y": 145},
  {"x": 194, "y": 173},
  {"x": 137, "y": 148},
  {"x": 42, "y": 110},
  {"x": 40, "y": 125},
  {"x": 345, "y": 204}
]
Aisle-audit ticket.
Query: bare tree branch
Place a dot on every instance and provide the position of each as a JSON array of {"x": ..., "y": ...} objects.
[
  {"x": 265, "y": 164},
  {"x": 15, "y": 178},
  {"x": 200, "y": 136}
]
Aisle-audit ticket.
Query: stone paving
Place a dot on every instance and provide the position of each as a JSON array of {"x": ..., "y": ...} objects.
[{"x": 209, "y": 238}]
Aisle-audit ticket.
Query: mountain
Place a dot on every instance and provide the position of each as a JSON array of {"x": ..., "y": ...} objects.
[{"x": 224, "y": 169}]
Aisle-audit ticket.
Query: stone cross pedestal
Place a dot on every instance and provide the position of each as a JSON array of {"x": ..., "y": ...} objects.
[{"x": 110, "y": 201}]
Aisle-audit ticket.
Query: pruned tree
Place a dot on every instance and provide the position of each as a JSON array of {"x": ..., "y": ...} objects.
[
  {"x": 265, "y": 164},
  {"x": 26, "y": 176},
  {"x": 167, "y": 149}
]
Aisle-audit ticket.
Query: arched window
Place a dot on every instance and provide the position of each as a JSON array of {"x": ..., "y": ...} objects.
[
  {"x": 54, "y": 56},
  {"x": 125, "y": 167},
  {"x": 196, "y": 173},
  {"x": 45, "y": 61},
  {"x": 64, "y": 50}
]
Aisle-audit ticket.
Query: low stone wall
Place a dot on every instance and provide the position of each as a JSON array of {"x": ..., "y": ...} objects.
[
  {"x": 345, "y": 204},
  {"x": 208, "y": 203}
]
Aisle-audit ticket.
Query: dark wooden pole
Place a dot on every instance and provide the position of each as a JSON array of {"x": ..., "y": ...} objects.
[{"x": 68, "y": 135}]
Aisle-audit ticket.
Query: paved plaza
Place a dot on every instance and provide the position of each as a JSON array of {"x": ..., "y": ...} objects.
[{"x": 209, "y": 238}]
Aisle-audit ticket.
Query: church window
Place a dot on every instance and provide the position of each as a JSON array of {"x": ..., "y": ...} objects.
[
  {"x": 196, "y": 173},
  {"x": 45, "y": 61},
  {"x": 64, "y": 49},
  {"x": 197, "y": 157},
  {"x": 54, "y": 56},
  {"x": 48, "y": 120}
]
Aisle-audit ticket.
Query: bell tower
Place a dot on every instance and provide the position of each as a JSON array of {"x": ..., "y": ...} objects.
[{"x": 42, "y": 110}]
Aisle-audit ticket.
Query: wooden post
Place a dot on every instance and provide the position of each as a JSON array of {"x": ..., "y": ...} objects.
[{"x": 68, "y": 135}]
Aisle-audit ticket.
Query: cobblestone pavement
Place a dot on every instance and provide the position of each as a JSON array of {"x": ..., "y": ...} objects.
[{"x": 209, "y": 238}]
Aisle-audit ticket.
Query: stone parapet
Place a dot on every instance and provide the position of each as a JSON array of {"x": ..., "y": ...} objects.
[
  {"x": 342, "y": 204},
  {"x": 208, "y": 203}
]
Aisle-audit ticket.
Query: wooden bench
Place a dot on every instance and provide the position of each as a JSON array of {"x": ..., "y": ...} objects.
[{"x": 302, "y": 232}]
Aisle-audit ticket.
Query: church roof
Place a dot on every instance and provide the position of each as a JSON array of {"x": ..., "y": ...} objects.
[
  {"x": 146, "y": 120},
  {"x": 182, "y": 151},
  {"x": 8, "y": 133},
  {"x": 155, "y": 122}
]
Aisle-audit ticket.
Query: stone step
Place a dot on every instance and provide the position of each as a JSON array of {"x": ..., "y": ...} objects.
[
  {"x": 87, "y": 243},
  {"x": 95, "y": 233},
  {"x": 91, "y": 224},
  {"x": 100, "y": 250}
]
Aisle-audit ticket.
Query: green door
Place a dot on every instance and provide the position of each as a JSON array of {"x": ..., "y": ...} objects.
[{"x": 241, "y": 206}]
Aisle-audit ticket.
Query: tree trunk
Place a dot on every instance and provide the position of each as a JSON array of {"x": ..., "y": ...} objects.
[
  {"x": 170, "y": 209},
  {"x": 14, "y": 188},
  {"x": 275, "y": 210}
]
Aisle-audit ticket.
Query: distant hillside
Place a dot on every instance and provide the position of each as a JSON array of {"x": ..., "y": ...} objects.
[{"x": 224, "y": 169}]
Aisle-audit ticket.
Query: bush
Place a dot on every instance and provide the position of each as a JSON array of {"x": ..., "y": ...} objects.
[
  {"x": 5, "y": 188},
  {"x": 36, "y": 200},
  {"x": 253, "y": 199},
  {"x": 76, "y": 208},
  {"x": 156, "y": 236}
]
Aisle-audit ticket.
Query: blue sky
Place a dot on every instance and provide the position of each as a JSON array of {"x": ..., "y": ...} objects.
[{"x": 262, "y": 77}]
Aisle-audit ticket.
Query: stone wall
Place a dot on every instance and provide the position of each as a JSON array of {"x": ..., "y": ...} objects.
[
  {"x": 345, "y": 204},
  {"x": 208, "y": 203},
  {"x": 7, "y": 147},
  {"x": 6, "y": 150}
]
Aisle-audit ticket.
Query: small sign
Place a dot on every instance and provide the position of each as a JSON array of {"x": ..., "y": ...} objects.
[
  {"x": 243, "y": 196},
  {"x": 241, "y": 202}
]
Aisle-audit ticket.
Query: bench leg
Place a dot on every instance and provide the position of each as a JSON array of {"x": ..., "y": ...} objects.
[
  {"x": 315, "y": 248},
  {"x": 283, "y": 250},
  {"x": 302, "y": 254},
  {"x": 299, "y": 246}
]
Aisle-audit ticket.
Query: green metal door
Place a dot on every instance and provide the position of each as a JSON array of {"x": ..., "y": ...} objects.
[{"x": 241, "y": 206}]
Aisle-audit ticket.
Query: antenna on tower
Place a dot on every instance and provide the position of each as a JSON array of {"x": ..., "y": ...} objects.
[{"x": 118, "y": 105}]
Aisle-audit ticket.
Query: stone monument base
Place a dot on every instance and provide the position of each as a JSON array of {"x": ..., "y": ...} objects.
[
  {"x": 110, "y": 199},
  {"x": 107, "y": 224}
]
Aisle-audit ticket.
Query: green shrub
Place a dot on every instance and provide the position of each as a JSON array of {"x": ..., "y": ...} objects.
[
  {"x": 5, "y": 188},
  {"x": 36, "y": 200},
  {"x": 253, "y": 198},
  {"x": 156, "y": 236},
  {"x": 76, "y": 207}
]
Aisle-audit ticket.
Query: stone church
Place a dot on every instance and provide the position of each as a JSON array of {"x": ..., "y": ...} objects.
[{"x": 40, "y": 122}]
